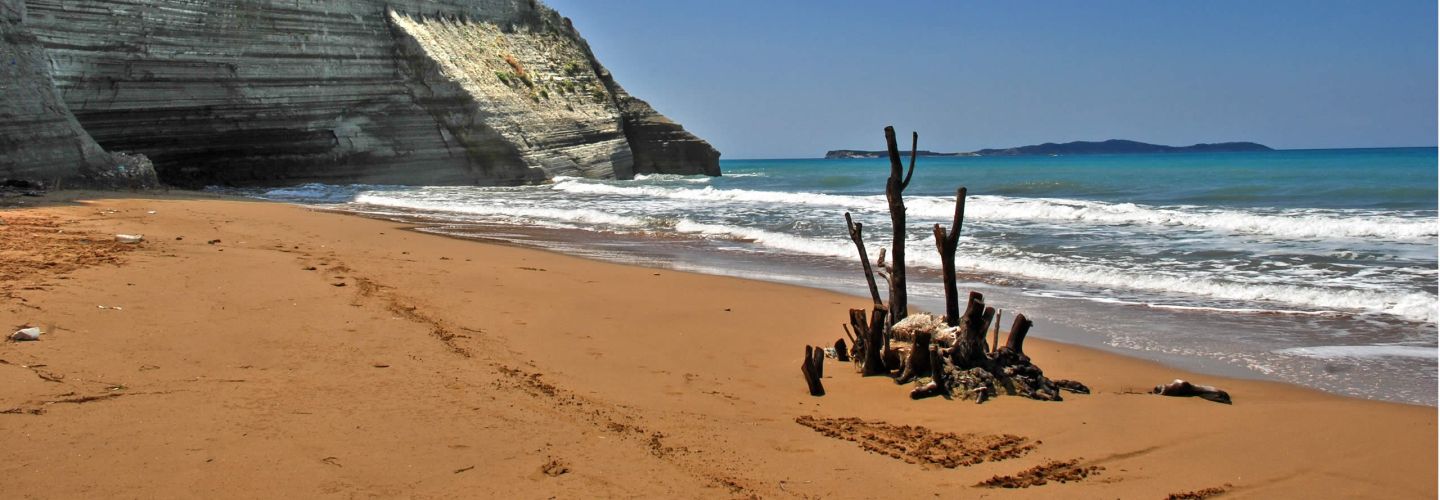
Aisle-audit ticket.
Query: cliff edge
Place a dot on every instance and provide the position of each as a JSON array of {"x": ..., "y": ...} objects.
[{"x": 272, "y": 92}]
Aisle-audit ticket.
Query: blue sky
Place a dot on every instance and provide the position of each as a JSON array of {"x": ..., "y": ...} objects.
[{"x": 787, "y": 79}]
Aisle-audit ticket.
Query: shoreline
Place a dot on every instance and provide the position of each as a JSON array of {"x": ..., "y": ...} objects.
[
  {"x": 622, "y": 376},
  {"x": 581, "y": 243}
]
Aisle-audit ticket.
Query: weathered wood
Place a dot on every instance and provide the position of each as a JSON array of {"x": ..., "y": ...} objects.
[
  {"x": 985, "y": 319},
  {"x": 1182, "y": 388},
  {"x": 995, "y": 338},
  {"x": 969, "y": 350},
  {"x": 856, "y": 230},
  {"x": 917, "y": 364},
  {"x": 1018, "y": 330},
  {"x": 812, "y": 376},
  {"x": 883, "y": 270},
  {"x": 947, "y": 242},
  {"x": 875, "y": 362},
  {"x": 956, "y": 356},
  {"x": 894, "y": 191},
  {"x": 840, "y": 351},
  {"x": 861, "y": 327},
  {"x": 819, "y": 358},
  {"x": 869, "y": 342}
]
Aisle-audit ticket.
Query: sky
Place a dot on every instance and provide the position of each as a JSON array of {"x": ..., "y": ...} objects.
[{"x": 793, "y": 79}]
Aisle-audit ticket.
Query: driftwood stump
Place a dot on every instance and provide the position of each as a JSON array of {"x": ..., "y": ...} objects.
[
  {"x": 856, "y": 230},
  {"x": 811, "y": 370},
  {"x": 870, "y": 341},
  {"x": 948, "y": 358},
  {"x": 947, "y": 242},
  {"x": 894, "y": 191}
]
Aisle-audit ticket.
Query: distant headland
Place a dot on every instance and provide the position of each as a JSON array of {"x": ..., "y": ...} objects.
[{"x": 1110, "y": 147}]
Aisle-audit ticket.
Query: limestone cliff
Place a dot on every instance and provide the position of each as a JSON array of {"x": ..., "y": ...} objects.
[
  {"x": 40, "y": 140},
  {"x": 260, "y": 92}
]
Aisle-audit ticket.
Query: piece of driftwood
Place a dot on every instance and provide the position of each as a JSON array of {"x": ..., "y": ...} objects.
[
  {"x": 894, "y": 196},
  {"x": 969, "y": 349},
  {"x": 1018, "y": 331},
  {"x": 1181, "y": 388},
  {"x": 918, "y": 362},
  {"x": 870, "y": 341},
  {"x": 985, "y": 319},
  {"x": 812, "y": 372},
  {"x": 841, "y": 352},
  {"x": 947, "y": 242},
  {"x": 856, "y": 230},
  {"x": 949, "y": 357},
  {"x": 995, "y": 339}
]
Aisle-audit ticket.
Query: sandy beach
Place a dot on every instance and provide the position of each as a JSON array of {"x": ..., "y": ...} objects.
[{"x": 254, "y": 349}]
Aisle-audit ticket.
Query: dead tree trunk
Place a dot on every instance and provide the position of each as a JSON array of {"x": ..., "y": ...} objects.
[
  {"x": 970, "y": 346},
  {"x": 870, "y": 341},
  {"x": 1016, "y": 341},
  {"x": 856, "y": 236},
  {"x": 918, "y": 363},
  {"x": 811, "y": 371},
  {"x": 947, "y": 242},
  {"x": 894, "y": 189}
]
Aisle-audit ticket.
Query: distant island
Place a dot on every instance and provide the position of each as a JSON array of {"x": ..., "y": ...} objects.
[{"x": 1110, "y": 147}]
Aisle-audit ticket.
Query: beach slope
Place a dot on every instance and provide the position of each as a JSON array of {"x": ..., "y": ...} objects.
[{"x": 251, "y": 349}]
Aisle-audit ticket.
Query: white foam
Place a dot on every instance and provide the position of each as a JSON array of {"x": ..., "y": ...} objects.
[
  {"x": 1363, "y": 351},
  {"x": 693, "y": 179},
  {"x": 1310, "y": 293},
  {"x": 1415, "y": 306},
  {"x": 781, "y": 241},
  {"x": 579, "y": 215},
  {"x": 317, "y": 193},
  {"x": 1290, "y": 223},
  {"x": 1060, "y": 294}
]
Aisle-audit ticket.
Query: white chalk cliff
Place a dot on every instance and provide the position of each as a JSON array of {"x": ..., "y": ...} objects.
[{"x": 272, "y": 92}]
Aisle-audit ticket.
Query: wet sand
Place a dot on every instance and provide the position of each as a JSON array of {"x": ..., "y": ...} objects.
[{"x": 251, "y": 349}]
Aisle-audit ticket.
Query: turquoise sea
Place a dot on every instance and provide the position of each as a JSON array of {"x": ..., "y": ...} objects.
[{"x": 1316, "y": 267}]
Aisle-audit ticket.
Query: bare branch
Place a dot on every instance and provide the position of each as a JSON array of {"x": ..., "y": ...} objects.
[
  {"x": 856, "y": 235},
  {"x": 914, "y": 148}
]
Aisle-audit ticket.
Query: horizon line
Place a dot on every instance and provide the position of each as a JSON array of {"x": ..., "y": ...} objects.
[{"x": 907, "y": 153}]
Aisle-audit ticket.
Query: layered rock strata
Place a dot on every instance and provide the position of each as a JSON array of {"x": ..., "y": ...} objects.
[
  {"x": 268, "y": 92},
  {"x": 40, "y": 141}
]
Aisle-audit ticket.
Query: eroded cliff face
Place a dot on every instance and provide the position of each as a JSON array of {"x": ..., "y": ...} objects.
[
  {"x": 265, "y": 92},
  {"x": 40, "y": 141}
]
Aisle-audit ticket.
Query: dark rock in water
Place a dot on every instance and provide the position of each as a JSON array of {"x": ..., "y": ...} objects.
[{"x": 265, "y": 92}]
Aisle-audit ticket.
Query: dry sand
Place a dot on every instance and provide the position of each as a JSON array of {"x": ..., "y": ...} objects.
[{"x": 251, "y": 349}]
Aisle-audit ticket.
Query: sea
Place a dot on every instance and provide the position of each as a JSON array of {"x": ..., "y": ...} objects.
[{"x": 1313, "y": 267}]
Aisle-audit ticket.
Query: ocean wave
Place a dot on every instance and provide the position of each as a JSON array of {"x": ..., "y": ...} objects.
[
  {"x": 317, "y": 193},
  {"x": 1289, "y": 223},
  {"x": 770, "y": 239},
  {"x": 579, "y": 215},
  {"x": 1060, "y": 294},
  {"x": 1414, "y": 306},
  {"x": 692, "y": 179},
  {"x": 1362, "y": 351}
]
